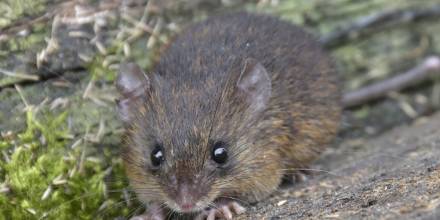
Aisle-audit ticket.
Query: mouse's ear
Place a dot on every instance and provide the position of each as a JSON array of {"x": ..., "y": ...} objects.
[
  {"x": 132, "y": 83},
  {"x": 255, "y": 82}
]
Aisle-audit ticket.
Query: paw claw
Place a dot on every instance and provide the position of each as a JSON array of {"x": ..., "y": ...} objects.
[
  {"x": 147, "y": 217},
  {"x": 154, "y": 212},
  {"x": 224, "y": 211},
  {"x": 211, "y": 215},
  {"x": 238, "y": 209}
]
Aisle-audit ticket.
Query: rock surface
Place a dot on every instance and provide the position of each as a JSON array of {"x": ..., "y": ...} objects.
[{"x": 396, "y": 175}]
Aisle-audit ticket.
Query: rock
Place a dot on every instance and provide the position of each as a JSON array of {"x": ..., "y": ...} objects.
[{"x": 395, "y": 175}]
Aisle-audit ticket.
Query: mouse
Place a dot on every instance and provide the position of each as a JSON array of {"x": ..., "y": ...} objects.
[{"x": 235, "y": 104}]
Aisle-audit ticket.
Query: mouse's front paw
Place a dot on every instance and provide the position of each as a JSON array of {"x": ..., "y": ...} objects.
[
  {"x": 222, "y": 210},
  {"x": 154, "y": 212}
]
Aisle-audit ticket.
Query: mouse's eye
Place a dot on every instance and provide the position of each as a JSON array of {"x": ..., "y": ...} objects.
[
  {"x": 157, "y": 155},
  {"x": 219, "y": 153}
]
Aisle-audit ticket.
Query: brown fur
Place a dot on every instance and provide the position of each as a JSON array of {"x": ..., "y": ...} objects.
[{"x": 193, "y": 100}]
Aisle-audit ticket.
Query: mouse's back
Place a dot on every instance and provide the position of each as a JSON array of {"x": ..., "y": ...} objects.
[{"x": 304, "y": 101}]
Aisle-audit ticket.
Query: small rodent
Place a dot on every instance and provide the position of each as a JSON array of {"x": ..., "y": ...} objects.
[{"x": 235, "y": 104}]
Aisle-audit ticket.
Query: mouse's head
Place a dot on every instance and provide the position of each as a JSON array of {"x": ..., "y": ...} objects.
[{"x": 189, "y": 143}]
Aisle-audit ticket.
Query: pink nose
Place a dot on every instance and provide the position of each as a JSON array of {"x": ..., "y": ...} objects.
[
  {"x": 186, "y": 206},
  {"x": 185, "y": 198}
]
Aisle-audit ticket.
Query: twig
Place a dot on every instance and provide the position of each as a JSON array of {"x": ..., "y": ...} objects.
[
  {"x": 19, "y": 75},
  {"x": 27, "y": 23},
  {"x": 23, "y": 98},
  {"x": 7, "y": 32},
  {"x": 138, "y": 24},
  {"x": 380, "y": 89},
  {"x": 50, "y": 74},
  {"x": 374, "y": 22}
]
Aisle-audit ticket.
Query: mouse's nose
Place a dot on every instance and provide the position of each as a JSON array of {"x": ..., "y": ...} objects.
[
  {"x": 187, "y": 206},
  {"x": 186, "y": 196}
]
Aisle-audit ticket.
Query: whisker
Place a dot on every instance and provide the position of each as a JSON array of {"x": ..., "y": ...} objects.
[
  {"x": 311, "y": 169},
  {"x": 132, "y": 213},
  {"x": 102, "y": 211},
  {"x": 234, "y": 198}
]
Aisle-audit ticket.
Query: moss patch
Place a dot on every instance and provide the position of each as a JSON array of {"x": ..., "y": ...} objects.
[{"x": 43, "y": 175}]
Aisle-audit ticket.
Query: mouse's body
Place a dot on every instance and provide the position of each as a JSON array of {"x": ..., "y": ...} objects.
[{"x": 234, "y": 104}]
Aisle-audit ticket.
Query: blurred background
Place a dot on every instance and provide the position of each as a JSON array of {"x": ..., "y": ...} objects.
[{"x": 60, "y": 135}]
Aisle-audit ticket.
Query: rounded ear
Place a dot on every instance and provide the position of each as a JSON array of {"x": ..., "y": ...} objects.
[
  {"x": 255, "y": 82},
  {"x": 132, "y": 83}
]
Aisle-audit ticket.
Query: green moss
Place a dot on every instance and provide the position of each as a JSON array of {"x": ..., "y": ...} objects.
[
  {"x": 14, "y": 9},
  {"x": 46, "y": 178}
]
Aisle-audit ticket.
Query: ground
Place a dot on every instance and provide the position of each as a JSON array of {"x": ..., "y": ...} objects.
[{"x": 395, "y": 175}]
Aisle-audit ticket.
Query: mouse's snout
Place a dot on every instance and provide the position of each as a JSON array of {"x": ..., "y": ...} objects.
[
  {"x": 186, "y": 196},
  {"x": 187, "y": 193}
]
